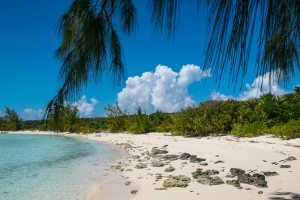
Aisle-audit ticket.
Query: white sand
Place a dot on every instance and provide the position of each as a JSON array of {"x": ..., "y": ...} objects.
[{"x": 250, "y": 154}]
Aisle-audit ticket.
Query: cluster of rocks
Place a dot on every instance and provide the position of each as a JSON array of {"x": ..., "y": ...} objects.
[
  {"x": 256, "y": 179},
  {"x": 290, "y": 158},
  {"x": 160, "y": 158},
  {"x": 207, "y": 177},
  {"x": 176, "y": 181}
]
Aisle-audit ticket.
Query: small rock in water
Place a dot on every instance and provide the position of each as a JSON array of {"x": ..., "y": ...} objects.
[
  {"x": 285, "y": 166},
  {"x": 274, "y": 163},
  {"x": 260, "y": 192}
]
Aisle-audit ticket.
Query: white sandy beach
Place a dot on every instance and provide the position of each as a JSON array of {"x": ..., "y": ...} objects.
[{"x": 254, "y": 155}]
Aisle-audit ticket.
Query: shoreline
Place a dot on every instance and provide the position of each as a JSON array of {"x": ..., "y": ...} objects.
[
  {"x": 104, "y": 189},
  {"x": 149, "y": 155}
]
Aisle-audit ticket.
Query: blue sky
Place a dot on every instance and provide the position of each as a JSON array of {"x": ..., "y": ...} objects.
[{"x": 29, "y": 70}]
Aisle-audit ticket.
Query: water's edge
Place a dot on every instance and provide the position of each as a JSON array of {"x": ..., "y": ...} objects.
[{"x": 111, "y": 182}]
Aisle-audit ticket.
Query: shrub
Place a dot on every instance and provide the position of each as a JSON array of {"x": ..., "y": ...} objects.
[
  {"x": 249, "y": 130},
  {"x": 289, "y": 130}
]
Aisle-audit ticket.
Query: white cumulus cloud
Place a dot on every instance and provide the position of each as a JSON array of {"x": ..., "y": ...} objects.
[
  {"x": 261, "y": 85},
  {"x": 219, "y": 96},
  {"x": 85, "y": 109},
  {"x": 163, "y": 90},
  {"x": 31, "y": 114}
]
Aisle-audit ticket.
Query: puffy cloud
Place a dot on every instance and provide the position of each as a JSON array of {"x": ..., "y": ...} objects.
[
  {"x": 85, "y": 109},
  {"x": 163, "y": 90},
  {"x": 30, "y": 114},
  {"x": 218, "y": 96},
  {"x": 261, "y": 85}
]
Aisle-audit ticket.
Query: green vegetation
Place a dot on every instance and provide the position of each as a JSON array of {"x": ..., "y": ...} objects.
[
  {"x": 269, "y": 114},
  {"x": 10, "y": 120}
]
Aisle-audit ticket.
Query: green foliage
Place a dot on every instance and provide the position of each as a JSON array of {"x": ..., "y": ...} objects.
[
  {"x": 5, "y": 126},
  {"x": 183, "y": 122},
  {"x": 249, "y": 130},
  {"x": 63, "y": 118},
  {"x": 12, "y": 118},
  {"x": 161, "y": 122},
  {"x": 117, "y": 118},
  {"x": 139, "y": 123},
  {"x": 289, "y": 130}
]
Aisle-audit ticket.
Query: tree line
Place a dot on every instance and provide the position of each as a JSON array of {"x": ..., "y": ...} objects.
[{"x": 269, "y": 114}]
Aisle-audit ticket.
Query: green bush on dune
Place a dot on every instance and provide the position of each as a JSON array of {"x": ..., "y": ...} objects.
[
  {"x": 289, "y": 130},
  {"x": 249, "y": 130}
]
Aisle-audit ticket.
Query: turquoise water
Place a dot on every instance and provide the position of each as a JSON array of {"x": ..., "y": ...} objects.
[{"x": 41, "y": 167}]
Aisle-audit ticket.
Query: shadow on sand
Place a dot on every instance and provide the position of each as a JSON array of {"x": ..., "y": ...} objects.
[{"x": 285, "y": 196}]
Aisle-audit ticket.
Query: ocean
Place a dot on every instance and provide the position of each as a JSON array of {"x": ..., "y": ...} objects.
[{"x": 43, "y": 167}]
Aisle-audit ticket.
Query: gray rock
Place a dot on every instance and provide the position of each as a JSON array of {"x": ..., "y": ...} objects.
[
  {"x": 291, "y": 158},
  {"x": 234, "y": 183},
  {"x": 208, "y": 172},
  {"x": 177, "y": 181},
  {"x": 127, "y": 183},
  {"x": 170, "y": 169},
  {"x": 274, "y": 163},
  {"x": 157, "y": 151},
  {"x": 197, "y": 173},
  {"x": 127, "y": 146},
  {"x": 229, "y": 176},
  {"x": 268, "y": 173},
  {"x": 285, "y": 166},
  {"x": 157, "y": 164},
  {"x": 163, "y": 188},
  {"x": 184, "y": 156},
  {"x": 260, "y": 192},
  {"x": 170, "y": 157},
  {"x": 236, "y": 171},
  {"x": 219, "y": 161},
  {"x": 203, "y": 164},
  {"x": 174, "y": 183},
  {"x": 133, "y": 191},
  {"x": 208, "y": 180},
  {"x": 195, "y": 159},
  {"x": 256, "y": 179},
  {"x": 140, "y": 166},
  {"x": 182, "y": 178}
]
